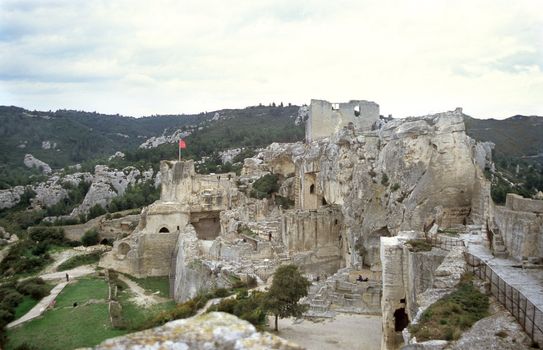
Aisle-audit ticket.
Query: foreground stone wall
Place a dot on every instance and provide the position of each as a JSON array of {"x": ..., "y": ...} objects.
[{"x": 215, "y": 330}]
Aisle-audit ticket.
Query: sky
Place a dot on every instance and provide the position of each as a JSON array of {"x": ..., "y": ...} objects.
[{"x": 140, "y": 58}]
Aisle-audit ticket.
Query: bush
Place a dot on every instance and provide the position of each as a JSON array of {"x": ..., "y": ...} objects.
[
  {"x": 34, "y": 287},
  {"x": 384, "y": 180},
  {"x": 47, "y": 235},
  {"x": 79, "y": 260},
  {"x": 419, "y": 245},
  {"x": 395, "y": 187},
  {"x": 90, "y": 237},
  {"x": 249, "y": 307},
  {"x": 21, "y": 258},
  {"x": 265, "y": 186},
  {"x": 460, "y": 310},
  {"x": 96, "y": 211}
]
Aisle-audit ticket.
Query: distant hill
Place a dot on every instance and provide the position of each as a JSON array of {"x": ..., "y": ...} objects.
[
  {"x": 75, "y": 136},
  {"x": 515, "y": 137},
  {"x": 67, "y": 137}
]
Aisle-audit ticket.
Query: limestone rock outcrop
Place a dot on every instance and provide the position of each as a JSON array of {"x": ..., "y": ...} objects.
[
  {"x": 10, "y": 197},
  {"x": 154, "y": 142},
  {"x": 31, "y": 162},
  {"x": 215, "y": 330}
]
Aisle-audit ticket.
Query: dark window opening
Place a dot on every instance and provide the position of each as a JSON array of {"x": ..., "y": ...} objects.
[
  {"x": 402, "y": 300},
  {"x": 164, "y": 230},
  {"x": 335, "y": 222},
  {"x": 400, "y": 320},
  {"x": 177, "y": 228},
  {"x": 312, "y": 189}
]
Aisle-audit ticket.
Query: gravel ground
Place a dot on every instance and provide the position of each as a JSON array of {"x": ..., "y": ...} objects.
[{"x": 353, "y": 332}]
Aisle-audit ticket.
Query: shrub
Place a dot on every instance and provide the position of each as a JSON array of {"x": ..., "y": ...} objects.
[
  {"x": 47, "y": 235},
  {"x": 96, "y": 211},
  {"x": 384, "y": 180},
  {"x": 90, "y": 237},
  {"x": 419, "y": 245},
  {"x": 460, "y": 310},
  {"x": 395, "y": 187},
  {"x": 265, "y": 186},
  {"x": 34, "y": 287},
  {"x": 79, "y": 260},
  {"x": 284, "y": 202}
]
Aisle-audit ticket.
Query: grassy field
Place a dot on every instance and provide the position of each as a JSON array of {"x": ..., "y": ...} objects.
[
  {"x": 154, "y": 284},
  {"x": 134, "y": 316},
  {"x": 68, "y": 327},
  {"x": 24, "y": 306},
  {"x": 79, "y": 260}
]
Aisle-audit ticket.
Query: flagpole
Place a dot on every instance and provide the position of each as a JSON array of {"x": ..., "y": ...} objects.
[{"x": 179, "y": 147}]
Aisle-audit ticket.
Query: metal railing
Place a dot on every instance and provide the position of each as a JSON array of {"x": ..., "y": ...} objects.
[
  {"x": 445, "y": 242},
  {"x": 529, "y": 316}
]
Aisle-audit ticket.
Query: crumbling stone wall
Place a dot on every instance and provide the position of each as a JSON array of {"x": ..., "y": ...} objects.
[
  {"x": 326, "y": 118},
  {"x": 520, "y": 223},
  {"x": 305, "y": 230}
]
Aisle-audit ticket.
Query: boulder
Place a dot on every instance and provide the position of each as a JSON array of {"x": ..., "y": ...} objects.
[
  {"x": 215, "y": 330},
  {"x": 31, "y": 162}
]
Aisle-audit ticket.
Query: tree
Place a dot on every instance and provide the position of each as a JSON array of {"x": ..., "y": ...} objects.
[{"x": 287, "y": 288}]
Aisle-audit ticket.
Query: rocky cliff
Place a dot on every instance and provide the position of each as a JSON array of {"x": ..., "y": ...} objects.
[{"x": 406, "y": 175}]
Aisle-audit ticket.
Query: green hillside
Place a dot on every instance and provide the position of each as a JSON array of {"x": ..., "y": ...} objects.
[{"x": 516, "y": 137}]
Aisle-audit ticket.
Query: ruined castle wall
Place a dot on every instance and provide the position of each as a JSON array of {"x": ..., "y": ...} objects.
[
  {"x": 522, "y": 231},
  {"x": 176, "y": 181},
  {"x": 326, "y": 118},
  {"x": 519, "y": 203},
  {"x": 305, "y": 230},
  {"x": 156, "y": 253},
  {"x": 405, "y": 276}
]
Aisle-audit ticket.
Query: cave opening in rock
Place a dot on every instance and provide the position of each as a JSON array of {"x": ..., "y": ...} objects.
[
  {"x": 206, "y": 224},
  {"x": 164, "y": 230},
  {"x": 401, "y": 320}
]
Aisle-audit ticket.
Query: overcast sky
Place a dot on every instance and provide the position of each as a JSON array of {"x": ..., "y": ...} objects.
[{"x": 154, "y": 57}]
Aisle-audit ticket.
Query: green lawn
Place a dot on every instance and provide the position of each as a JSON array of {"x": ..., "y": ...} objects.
[
  {"x": 79, "y": 260},
  {"x": 66, "y": 328},
  {"x": 82, "y": 291},
  {"x": 24, "y": 306},
  {"x": 154, "y": 284},
  {"x": 135, "y": 316}
]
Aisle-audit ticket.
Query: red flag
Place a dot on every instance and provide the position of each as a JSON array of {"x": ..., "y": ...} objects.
[{"x": 182, "y": 144}]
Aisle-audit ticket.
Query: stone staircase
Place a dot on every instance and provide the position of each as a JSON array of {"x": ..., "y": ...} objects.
[
  {"x": 336, "y": 293},
  {"x": 498, "y": 246}
]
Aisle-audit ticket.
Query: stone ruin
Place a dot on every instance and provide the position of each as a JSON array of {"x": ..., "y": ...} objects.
[{"x": 355, "y": 185}]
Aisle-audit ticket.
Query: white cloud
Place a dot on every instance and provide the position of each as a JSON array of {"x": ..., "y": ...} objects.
[{"x": 141, "y": 57}]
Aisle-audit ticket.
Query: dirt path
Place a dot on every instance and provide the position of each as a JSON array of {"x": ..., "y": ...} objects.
[
  {"x": 353, "y": 332},
  {"x": 141, "y": 297},
  {"x": 73, "y": 273},
  {"x": 59, "y": 258},
  {"x": 40, "y": 307}
]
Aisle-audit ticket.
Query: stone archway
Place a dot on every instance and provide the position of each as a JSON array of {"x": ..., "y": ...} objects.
[{"x": 123, "y": 248}]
